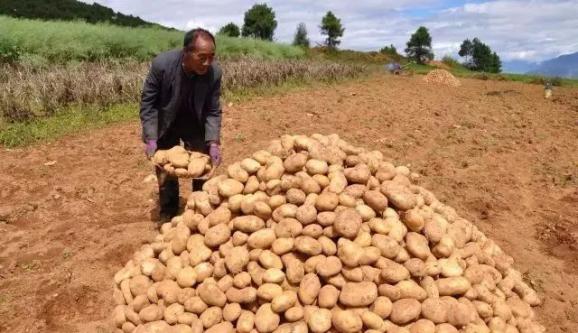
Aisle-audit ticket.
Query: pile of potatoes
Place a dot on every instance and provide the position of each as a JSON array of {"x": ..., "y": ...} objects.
[
  {"x": 316, "y": 235},
  {"x": 180, "y": 163}
]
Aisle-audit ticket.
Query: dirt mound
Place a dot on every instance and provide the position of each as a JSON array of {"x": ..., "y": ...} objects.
[{"x": 441, "y": 76}]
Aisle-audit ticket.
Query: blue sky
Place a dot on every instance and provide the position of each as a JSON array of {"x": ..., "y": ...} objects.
[{"x": 526, "y": 30}]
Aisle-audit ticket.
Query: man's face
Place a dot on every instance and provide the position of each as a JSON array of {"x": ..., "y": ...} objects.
[{"x": 199, "y": 60}]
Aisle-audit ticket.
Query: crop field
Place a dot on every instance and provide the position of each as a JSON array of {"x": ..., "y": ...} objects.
[{"x": 75, "y": 209}]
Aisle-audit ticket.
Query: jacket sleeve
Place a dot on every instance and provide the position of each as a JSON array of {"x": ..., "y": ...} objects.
[
  {"x": 149, "y": 114},
  {"x": 214, "y": 112}
]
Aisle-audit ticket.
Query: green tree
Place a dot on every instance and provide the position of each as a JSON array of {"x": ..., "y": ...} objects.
[
  {"x": 332, "y": 28},
  {"x": 483, "y": 59},
  {"x": 466, "y": 49},
  {"x": 260, "y": 22},
  {"x": 230, "y": 29},
  {"x": 419, "y": 46},
  {"x": 301, "y": 38},
  {"x": 389, "y": 50}
]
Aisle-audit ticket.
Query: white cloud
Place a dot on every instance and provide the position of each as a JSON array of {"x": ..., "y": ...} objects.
[{"x": 515, "y": 29}]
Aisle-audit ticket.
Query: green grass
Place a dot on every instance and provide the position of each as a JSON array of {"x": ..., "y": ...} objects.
[
  {"x": 44, "y": 42},
  {"x": 65, "y": 122}
]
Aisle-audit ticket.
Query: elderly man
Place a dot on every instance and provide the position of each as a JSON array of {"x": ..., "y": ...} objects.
[{"x": 180, "y": 102}]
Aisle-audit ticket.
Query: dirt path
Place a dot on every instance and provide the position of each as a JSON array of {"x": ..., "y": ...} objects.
[{"x": 499, "y": 153}]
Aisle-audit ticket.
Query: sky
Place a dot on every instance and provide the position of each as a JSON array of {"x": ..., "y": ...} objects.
[{"x": 516, "y": 29}]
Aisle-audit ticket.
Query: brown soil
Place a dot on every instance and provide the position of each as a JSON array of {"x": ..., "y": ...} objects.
[{"x": 498, "y": 152}]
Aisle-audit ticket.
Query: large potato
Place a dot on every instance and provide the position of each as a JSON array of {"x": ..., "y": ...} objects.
[
  {"x": 347, "y": 321},
  {"x": 266, "y": 320},
  {"x": 217, "y": 235},
  {"x": 405, "y": 310},
  {"x": 347, "y": 223},
  {"x": 309, "y": 288},
  {"x": 358, "y": 294},
  {"x": 319, "y": 321},
  {"x": 399, "y": 195}
]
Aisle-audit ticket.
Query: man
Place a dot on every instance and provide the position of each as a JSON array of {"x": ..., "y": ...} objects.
[{"x": 180, "y": 101}]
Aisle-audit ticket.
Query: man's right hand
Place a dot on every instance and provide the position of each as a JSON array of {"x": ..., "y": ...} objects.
[{"x": 150, "y": 148}]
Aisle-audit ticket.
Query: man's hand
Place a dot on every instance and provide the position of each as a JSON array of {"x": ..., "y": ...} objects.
[
  {"x": 215, "y": 153},
  {"x": 150, "y": 148}
]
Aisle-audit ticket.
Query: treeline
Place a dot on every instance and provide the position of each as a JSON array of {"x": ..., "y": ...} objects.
[{"x": 68, "y": 10}]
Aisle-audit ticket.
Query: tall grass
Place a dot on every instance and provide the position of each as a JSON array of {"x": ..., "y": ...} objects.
[
  {"x": 27, "y": 93},
  {"x": 41, "y": 42}
]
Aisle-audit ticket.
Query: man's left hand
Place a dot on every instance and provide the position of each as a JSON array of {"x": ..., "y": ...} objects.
[{"x": 215, "y": 153}]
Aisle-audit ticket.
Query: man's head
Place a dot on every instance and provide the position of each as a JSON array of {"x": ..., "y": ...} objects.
[{"x": 198, "y": 51}]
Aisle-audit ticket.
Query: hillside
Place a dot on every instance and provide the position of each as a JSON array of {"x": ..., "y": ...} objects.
[
  {"x": 563, "y": 66},
  {"x": 68, "y": 10}
]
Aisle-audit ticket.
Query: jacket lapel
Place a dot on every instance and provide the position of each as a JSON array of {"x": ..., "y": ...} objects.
[{"x": 199, "y": 98}]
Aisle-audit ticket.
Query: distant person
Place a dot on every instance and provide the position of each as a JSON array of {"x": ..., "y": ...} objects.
[
  {"x": 394, "y": 68},
  {"x": 180, "y": 101}
]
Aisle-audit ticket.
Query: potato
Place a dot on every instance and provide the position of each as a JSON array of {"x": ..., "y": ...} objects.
[
  {"x": 268, "y": 259},
  {"x": 284, "y": 302},
  {"x": 417, "y": 245},
  {"x": 294, "y": 314},
  {"x": 372, "y": 320},
  {"x": 211, "y": 317},
  {"x": 392, "y": 272},
  {"x": 435, "y": 310},
  {"x": 171, "y": 313},
  {"x": 308, "y": 245},
  {"x": 217, "y": 235},
  {"x": 315, "y": 167},
  {"x": 337, "y": 182},
  {"x": 295, "y": 162},
  {"x": 399, "y": 195},
  {"x": 246, "y": 322},
  {"x": 248, "y": 223},
  {"x": 423, "y": 326},
  {"x": 243, "y": 296},
  {"x": 359, "y": 174},
  {"x": 236, "y": 172},
  {"x": 410, "y": 289},
  {"x": 319, "y": 321},
  {"x": 195, "y": 305},
  {"x": 388, "y": 246},
  {"x": 242, "y": 280},
  {"x": 306, "y": 214},
  {"x": 309, "y": 185},
  {"x": 313, "y": 230},
  {"x": 459, "y": 315},
  {"x": 405, "y": 310},
  {"x": 453, "y": 286},
  {"x": 376, "y": 200},
  {"x": 268, "y": 291},
  {"x": 237, "y": 259},
  {"x": 169, "y": 291},
  {"x": 266, "y": 320},
  {"x": 358, "y": 294},
  {"x": 288, "y": 228},
  {"x": 150, "y": 313},
  {"x": 187, "y": 277},
  {"x": 349, "y": 252},
  {"x": 327, "y": 245},
  {"x": 347, "y": 321},
  {"x": 347, "y": 223},
  {"x": 224, "y": 327},
  {"x": 211, "y": 294},
  {"x": 139, "y": 285},
  {"x": 309, "y": 288},
  {"x": 327, "y": 201},
  {"x": 273, "y": 275},
  {"x": 328, "y": 267},
  {"x": 295, "y": 196},
  {"x": 261, "y": 239},
  {"x": 294, "y": 271},
  {"x": 328, "y": 296}
]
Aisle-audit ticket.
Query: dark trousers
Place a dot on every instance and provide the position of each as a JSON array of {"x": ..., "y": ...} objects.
[{"x": 193, "y": 139}]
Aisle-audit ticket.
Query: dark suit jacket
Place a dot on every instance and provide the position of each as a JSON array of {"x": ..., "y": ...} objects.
[{"x": 160, "y": 98}]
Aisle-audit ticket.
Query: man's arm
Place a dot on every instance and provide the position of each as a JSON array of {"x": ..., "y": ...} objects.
[
  {"x": 149, "y": 115},
  {"x": 213, "y": 118}
]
